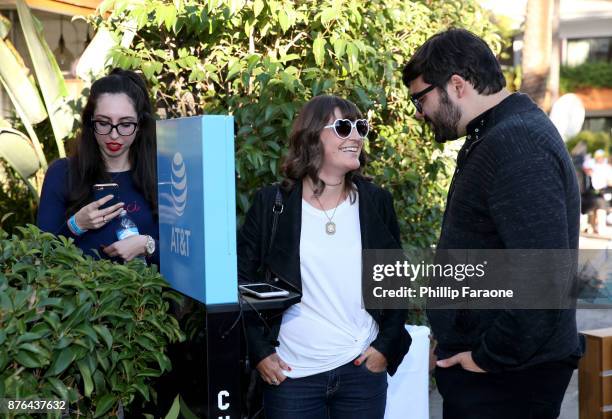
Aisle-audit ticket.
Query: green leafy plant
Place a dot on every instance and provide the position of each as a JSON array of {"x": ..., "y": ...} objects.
[
  {"x": 12, "y": 192},
  {"x": 261, "y": 60},
  {"x": 593, "y": 141},
  {"x": 53, "y": 114},
  {"x": 178, "y": 408},
  {"x": 23, "y": 91},
  {"x": 73, "y": 328},
  {"x": 594, "y": 74}
]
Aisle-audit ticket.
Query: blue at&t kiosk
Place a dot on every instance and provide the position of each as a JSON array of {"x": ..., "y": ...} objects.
[{"x": 197, "y": 230}]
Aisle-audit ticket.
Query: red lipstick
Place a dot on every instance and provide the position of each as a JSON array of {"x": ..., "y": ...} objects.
[{"x": 112, "y": 146}]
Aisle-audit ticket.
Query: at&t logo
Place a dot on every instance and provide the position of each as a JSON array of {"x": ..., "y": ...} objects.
[{"x": 179, "y": 184}]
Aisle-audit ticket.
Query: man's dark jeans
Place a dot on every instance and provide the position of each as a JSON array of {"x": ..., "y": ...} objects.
[
  {"x": 346, "y": 392},
  {"x": 534, "y": 393}
]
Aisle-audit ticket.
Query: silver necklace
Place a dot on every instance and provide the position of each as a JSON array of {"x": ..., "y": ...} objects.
[{"x": 330, "y": 226}]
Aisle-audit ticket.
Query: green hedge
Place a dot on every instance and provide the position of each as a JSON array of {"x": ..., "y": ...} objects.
[
  {"x": 90, "y": 332},
  {"x": 596, "y": 74}
]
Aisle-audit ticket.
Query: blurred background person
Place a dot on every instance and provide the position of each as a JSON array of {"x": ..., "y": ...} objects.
[{"x": 599, "y": 172}]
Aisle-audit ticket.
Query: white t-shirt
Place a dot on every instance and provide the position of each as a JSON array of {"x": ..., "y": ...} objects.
[{"x": 329, "y": 327}]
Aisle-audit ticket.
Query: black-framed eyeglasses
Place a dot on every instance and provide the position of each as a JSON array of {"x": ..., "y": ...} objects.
[
  {"x": 416, "y": 98},
  {"x": 123, "y": 128},
  {"x": 344, "y": 127}
]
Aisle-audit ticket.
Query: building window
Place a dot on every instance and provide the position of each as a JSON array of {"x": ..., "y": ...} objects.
[
  {"x": 598, "y": 124},
  {"x": 584, "y": 50}
]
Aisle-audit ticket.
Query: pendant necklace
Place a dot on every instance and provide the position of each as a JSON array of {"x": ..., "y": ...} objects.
[{"x": 330, "y": 226}]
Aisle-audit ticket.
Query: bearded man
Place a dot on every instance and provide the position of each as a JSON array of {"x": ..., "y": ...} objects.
[{"x": 514, "y": 187}]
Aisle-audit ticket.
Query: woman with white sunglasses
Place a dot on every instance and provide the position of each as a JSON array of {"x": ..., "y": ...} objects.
[{"x": 325, "y": 356}]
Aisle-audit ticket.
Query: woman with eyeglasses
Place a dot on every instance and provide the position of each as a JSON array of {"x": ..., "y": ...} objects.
[
  {"x": 117, "y": 146},
  {"x": 325, "y": 356}
]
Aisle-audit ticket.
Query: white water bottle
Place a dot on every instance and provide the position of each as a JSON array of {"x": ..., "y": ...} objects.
[{"x": 127, "y": 227}]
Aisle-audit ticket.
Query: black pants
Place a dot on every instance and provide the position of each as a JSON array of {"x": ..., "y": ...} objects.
[{"x": 534, "y": 393}]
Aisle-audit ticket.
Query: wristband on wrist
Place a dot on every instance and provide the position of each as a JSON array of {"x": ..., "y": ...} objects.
[{"x": 74, "y": 227}]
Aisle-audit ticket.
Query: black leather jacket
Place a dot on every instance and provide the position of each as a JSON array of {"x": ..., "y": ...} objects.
[{"x": 379, "y": 230}]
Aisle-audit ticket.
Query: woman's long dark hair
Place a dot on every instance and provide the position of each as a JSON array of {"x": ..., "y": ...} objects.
[
  {"x": 87, "y": 166},
  {"x": 305, "y": 156}
]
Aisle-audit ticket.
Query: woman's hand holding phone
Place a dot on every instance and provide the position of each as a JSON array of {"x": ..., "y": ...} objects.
[{"x": 90, "y": 217}]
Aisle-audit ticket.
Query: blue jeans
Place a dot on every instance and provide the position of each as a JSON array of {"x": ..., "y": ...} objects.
[{"x": 346, "y": 392}]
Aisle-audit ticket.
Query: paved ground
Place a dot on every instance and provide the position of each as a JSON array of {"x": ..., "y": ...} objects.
[{"x": 586, "y": 319}]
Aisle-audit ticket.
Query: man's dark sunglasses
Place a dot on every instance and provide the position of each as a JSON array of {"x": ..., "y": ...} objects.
[{"x": 415, "y": 98}]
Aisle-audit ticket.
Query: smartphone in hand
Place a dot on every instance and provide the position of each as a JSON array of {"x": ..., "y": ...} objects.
[{"x": 100, "y": 190}]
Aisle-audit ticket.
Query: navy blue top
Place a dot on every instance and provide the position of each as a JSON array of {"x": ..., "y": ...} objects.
[{"x": 54, "y": 201}]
